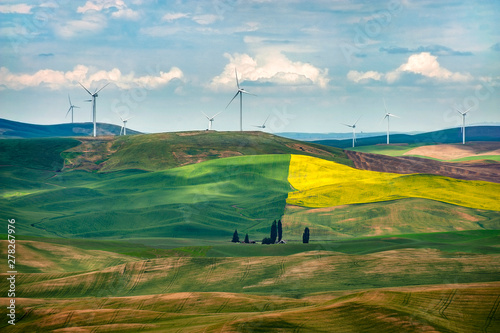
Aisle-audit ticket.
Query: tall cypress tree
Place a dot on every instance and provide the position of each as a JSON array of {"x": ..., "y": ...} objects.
[
  {"x": 236, "y": 238},
  {"x": 280, "y": 231},
  {"x": 246, "y": 239},
  {"x": 305, "y": 236},
  {"x": 274, "y": 232}
]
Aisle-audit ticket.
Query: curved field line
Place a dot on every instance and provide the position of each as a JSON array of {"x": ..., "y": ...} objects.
[
  {"x": 491, "y": 315},
  {"x": 138, "y": 277},
  {"x": 246, "y": 272},
  {"x": 446, "y": 303},
  {"x": 223, "y": 305},
  {"x": 183, "y": 303},
  {"x": 210, "y": 270},
  {"x": 68, "y": 319},
  {"x": 406, "y": 300},
  {"x": 175, "y": 274}
]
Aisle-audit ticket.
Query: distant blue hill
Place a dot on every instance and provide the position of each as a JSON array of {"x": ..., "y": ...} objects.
[
  {"x": 12, "y": 129},
  {"x": 452, "y": 135}
]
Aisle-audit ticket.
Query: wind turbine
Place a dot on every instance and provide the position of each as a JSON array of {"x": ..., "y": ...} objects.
[
  {"x": 464, "y": 113},
  {"x": 388, "y": 115},
  {"x": 210, "y": 119},
  {"x": 93, "y": 100},
  {"x": 264, "y": 124},
  {"x": 71, "y": 107},
  {"x": 353, "y": 126},
  {"x": 240, "y": 91},
  {"x": 124, "y": 126}
]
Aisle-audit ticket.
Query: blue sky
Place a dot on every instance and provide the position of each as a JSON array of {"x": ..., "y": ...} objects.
[{"x": 312, "y": 65}]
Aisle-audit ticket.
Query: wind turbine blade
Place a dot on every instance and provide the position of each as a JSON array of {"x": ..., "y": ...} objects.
[
  {"x": 467, "y": 110},
  {"x": 85, "y": 88},
  {"x": 232, "y": 99},
  {"x": 267, "y": 119},
  {"x": 68, "y": 111},
  {"x": 385, "y": 106},
  {"x": 102, "y": 88},
  {"x": 237, "y": 82},
  {"x": 346, "y": 125},
  {"x": 69, "y": 99},
  {"x": 216, "y": 115},
  {"x": 205, "y": 115},
  {"x": 121, "y": 130},
  {"x": 393, "y": 115},
  {"x": 357, "y": 120},
  {"x": 129, "y": 118},
  {"x": 88, "y": 100},
  {"x": 246, "y": 92},
  {"x": 75, "y": 106}
]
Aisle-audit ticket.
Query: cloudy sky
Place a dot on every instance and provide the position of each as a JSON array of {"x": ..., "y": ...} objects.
[{"x": 312, "y": 65}]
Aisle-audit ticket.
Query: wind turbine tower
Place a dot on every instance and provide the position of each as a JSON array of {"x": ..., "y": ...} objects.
[
  {"x": 123, "y": 130},
  {"x": 353, "y": 126},
  {"x": 463, "y": 113},
  {"x": 71, "y": 107},
  {"x": 388, "y": 115},
  {"x": 210, "y": 119},
  {"x": 240, "y": 91},
  {"x": 93, "y": 100}
]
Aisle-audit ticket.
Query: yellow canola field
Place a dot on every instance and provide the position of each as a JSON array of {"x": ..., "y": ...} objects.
[{"x": 321, "y": 183}]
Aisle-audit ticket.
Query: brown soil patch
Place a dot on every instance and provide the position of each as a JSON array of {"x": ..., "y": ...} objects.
[
  {"x": 456, "y": 151},
  {"x": 309, "y": 149},
  {"x": 407, "y": 165}
]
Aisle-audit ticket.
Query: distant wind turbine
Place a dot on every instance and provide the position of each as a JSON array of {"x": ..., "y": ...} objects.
[
  {"x": 123, "y": 130},
  {"x": 353, "y": 126},
  {"x": 463, "y": 113},
  {"x": 210, "y": 119},
  {"x": 388, "y": 115},
  {"x": 240, "y": 91},
  {"x": 93, "y": 100},
  {"x": 71, "y": 107},
  {"x": 264, "y": 124}
]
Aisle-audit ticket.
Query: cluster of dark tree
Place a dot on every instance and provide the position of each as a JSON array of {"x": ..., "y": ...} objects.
[{"x": 276, "y": 235}]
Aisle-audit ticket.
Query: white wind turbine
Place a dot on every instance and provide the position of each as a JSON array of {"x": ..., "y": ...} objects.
[
  {"x": 71, "y": 107},
  {"x": 123, "y": 130},
  {"x": 388, "y": 115},
  {"x": 240, "y": 91},
  {"x": 463, "y": 113},
  {"x": 353, "y": 126},
  {"x": 264, "y": 124},
  {"x": 93, "y": 100},
  {"x": 210, "y": 119}
]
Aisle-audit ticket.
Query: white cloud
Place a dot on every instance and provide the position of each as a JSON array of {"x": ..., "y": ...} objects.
[
  {"x": 205, "y": 19},
  {"x": 272, "y": 67},
  {"x": 55, "y": 80},
  {"x": 360, "y": 76},
  {"x": 16, "y": 9},
  {"x": 126, "y": 13},
  {"x": 174, "y": 16},
  {"x": 89, "y": 23},
  {"x": 100, "y": 5},
  {"x": 423, "y": 64},
  {"x": 426, "y": 65},
  {"x": 122, "y": 11}
]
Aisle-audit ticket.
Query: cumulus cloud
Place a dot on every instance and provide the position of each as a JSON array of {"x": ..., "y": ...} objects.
[
  {"x": 122, "y": 11},
  {"x": 270, "y": 67},
  {"x": 360, "y": 76},
  {"x": 174, "y": 16},
  {"x": 89, "y": 23},
  {"x": 423, "y": 64},
  {"x": 55, "y": 80},
  {"x": 16, "y": 9},
  {"x": 426, "y": 65}
]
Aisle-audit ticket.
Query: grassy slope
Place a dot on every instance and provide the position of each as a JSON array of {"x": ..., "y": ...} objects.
[
  {"x": 325, "y": 184},
  {"x": 168, "y": 150},
  {"x": 394, "y": 217},
  {"x": 208, "y": 199},
  {"x": 455, "y": 308}
]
